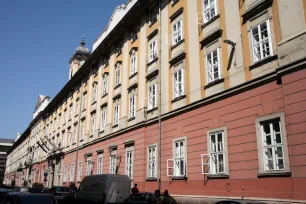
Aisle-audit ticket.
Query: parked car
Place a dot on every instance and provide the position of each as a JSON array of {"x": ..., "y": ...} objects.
[
  {"x": 39, "y": 190},
  {"x": 29, "y": 198},
  {"x": 24, "y": 189},
  {"x": 238, "y": 202},
  {"x": 104, "y": 188},
  {"x": 141, "y": 198},
  {"x": 9, "y": 197},
  {"x": 60, "y": 193}
]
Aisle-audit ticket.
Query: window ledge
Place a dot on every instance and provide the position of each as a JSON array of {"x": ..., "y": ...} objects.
[
  {"x": 83, "y": 110},
  {"x": 153, "y": 22},
  {"x": 76, "y": 115},
  {"x": 119, "y": 53},
  {"x": 81, "y": 140},
  {"x": 151, "y": 62},
  {"x": 211, "y": 20},
  {"x": 133, "y": 75},
  {"x": 91, "y": 136},
  {"x": 117, "y": 86},
  {"x": 264, "y": 61},
  {"x": 180, "y": 178},
  {"x": 115, "y": 126},
  {"x": 104, "y": 95},
  {"x": 178, "y": 98},
  {"x": 102, "y": 131},
  {"x": 67, "y": 146},
  {"x": 150, "y": 179},
  {"x": 74, "y": 144},
  {"x": 274, "y": 174},
  {"x": 64, "y": 182},
  {"x": 211, "y": 84},
  {"x": 255, "y": 9},
  {"x": 93, "y": 103},
  {"x": 174, "y": 3},
  {"x": 218, "y": 176},
  {"x": 131, "y": 119},
  {"x": 152, "y": 110},
  {"x": 177, "y": 44}
]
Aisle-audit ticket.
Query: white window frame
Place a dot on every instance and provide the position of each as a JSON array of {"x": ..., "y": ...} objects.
[
  {"x": 133, "y": 64},
  {"x": 215, "y": 151},
  {"x": 103, "y": 118},
  {"x": 72, "y": 169},
  {"x": 208, "y": 10},
  {"x": 84, "y": 101},
  {"x": 152, "y": 50},
  {"x": 79, "y": 171},
  {"x": 178, "y": 84},
  {"x": 152, "y": 100},
  {"x": 63, "y": 139},
  {"x": 105, "y": 84},
  {"x": 129, "y": 161},
  {"x": 280, "y": 118},
  {"x": 116, "y": 112},
  {"x": 152, "y": 161},
  {"x": 118, "y": 75},
  {"x": 68, "y": 137},
  {"x": 173, "y": 163},
  {"x": 93, "y": 124},
  {"x": 65, "y": 173},
  {"x": 82, "y": 130},
  {"x": 94, "y": 92},
  {"x": 177, "y": 32},
  {"x": 64, "y": 117},
  {"x": 132, "y": 104},
  {"x": 76, "y": 107},
  {"x": 100, "y": 164},
  {"x": 88, "y": 166},
  {"x": 75, "y": 134},
  {"x": 211, "y": 66},
  {"x": 70, "y": 112},
  {"x": 261, "y": 42},
  {"x": 113, "y": 162}
]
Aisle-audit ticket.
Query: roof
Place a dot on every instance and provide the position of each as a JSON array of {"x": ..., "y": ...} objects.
[{"x": 10, "y": 141}]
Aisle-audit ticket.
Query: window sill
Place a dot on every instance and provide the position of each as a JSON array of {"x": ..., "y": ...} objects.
[
  {"x": 81, "y": 140},
  {"x": 177, "y": 44},
  {"x": 134, "y": 39},
  {"x": 131, "y": 119},
  {"x": 93, "y": 103},
  {"x": 83, "y": 110},
  {"x": 67, "y": 146},
  {"x": 133, "y": 75},
  {"x": 102, "y": 131},
  {"x": 151, "y": 62},
  {"x": 218, "y": 176},
  {"x": 210, "y": 21},
  {"x": 274, "y": 174},
  {"x": 118, "y": 54},
  {"x": 76, "y": 115},
  {"x": 73, "y": 144},
  {"x": 211, "y": 84},
  {"x": 150, "y": 179},
  {"x": 91, "y": 136},
  {"x": 174, "y": 3},
  {"x": 257, "y": 8},
  {"x": 115, "y": 126},
  {"x": 180, "y": 178},
  {"x": 153, "y": 22},
  {"x": 152, "y": 110},
  {"x": 264, "y": 61},
  {"x": 178, "y": 98},
  {"x": 104, "y": 95},
  {"x": 117, "y": 86}
]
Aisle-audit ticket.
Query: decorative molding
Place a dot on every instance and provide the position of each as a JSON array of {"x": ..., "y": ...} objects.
[
  {"x": 213, "y": 36},
  {"x": 211, "y": 20},
  {"x": 117, "y": 97},
  {"x": 177, "y": 44},
  {"x": 211, "y": 84},
  {"x": 176, "y": 14},
  {"x": 130, "y": 77},
  {"x": 155, "y": 60},
  {"x": 177, "y": 58},
  {"x": 154, "y": 33},
  {"x": 259, "y": 6},
  {"x": 103, "y": 105},
  {"x": 152, "y": 74},
  {"x": 178, "y": 98},
  {"x": 133, "y": 86},
  {"x": 133, "y": 49},
  {"x": 264, "y": 61}
]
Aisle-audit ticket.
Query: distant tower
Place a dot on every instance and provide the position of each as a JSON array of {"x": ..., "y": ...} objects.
[{"x": 79, "y": 57}]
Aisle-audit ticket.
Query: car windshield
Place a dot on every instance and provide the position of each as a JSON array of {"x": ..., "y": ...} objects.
[
  {"x": 35, "y": 199},
  {"x": 62, "y": 189},
  {"x": 2, "y": 196}
]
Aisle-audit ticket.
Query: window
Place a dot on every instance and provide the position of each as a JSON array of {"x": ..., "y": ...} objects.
[
  {"x": 217, "y": 152},
  {"x": 210, "y": 9},
  {"x": 64, "y": 116},
  {"x": 84, "y": 101},
  {"x": 79, "y": 178},
  {"x": 152, "y": 51},
  {"x": 153, "y": 15},
  {"x": 74, "y": 134},
  {"x": 105, "y": 84},
  {"x": 213, "y": 66},
  {"x": 70, "y": 112},
  {"x": 152, "y": 162},
  {"x": 133, "y": 64},
  {"x": 177, "y": 32},
  {"x": 116, "y": 112},
  {"x": 132, "y": 103},
  {"x": 82, "y": 130},
  {"x": 179, "y": 158},
  {"x": 88, "y": 166},
  {"x": 76, "y": 107},
  {"x": 129, "y": 162},
  {"x": 69, "y": 137},
  {"x": 93, "y": 124},
  {"x": 113, "y": 163},
  {"x": 117, "y": 77},
  {"x": 178, "y": 79},
  {"x": 63, "y": 139},
  {"x": 103, "y": 118},
  {"x": 59, "y": 121},
  {"x": 99, "y": 163},
  {"x": 94, "y": 94},
  {"x": 261, "y": 41},
  {"x": 72, "y": 173},
  {"x": 152, "y": 96},
  {"x": 65, "y": 173}
]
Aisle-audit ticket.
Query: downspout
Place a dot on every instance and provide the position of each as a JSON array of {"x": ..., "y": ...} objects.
[{"x": 159, "y": 108}]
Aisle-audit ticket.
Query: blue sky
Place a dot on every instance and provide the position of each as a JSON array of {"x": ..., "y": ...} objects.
[{"x": 37, "y": 39}]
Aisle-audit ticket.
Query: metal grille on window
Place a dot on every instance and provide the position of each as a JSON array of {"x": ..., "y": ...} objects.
[
  {"x": 152, "y": 162},
  {"x": 261, "y": 41},
  {"x": 178, "y": 83},
  {"x": 213, "y": 66},
  {"x": 179, "y": 159},
  {"x": 273, "y": 147},
  {"x": 217, "y": 153},
  {"x": 209, "y": 10}
]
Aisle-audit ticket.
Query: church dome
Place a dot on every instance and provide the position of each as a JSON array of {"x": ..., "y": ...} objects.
[{"x": 81, "y": 51}]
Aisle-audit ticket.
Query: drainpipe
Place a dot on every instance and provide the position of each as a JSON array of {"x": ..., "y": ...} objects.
[{"x": 159, "y": 108}]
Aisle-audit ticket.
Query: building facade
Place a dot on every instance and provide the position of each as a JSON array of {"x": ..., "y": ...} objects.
[
  {"x": 5, "y": 145},
  {"x": 203, "y": 98}
]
